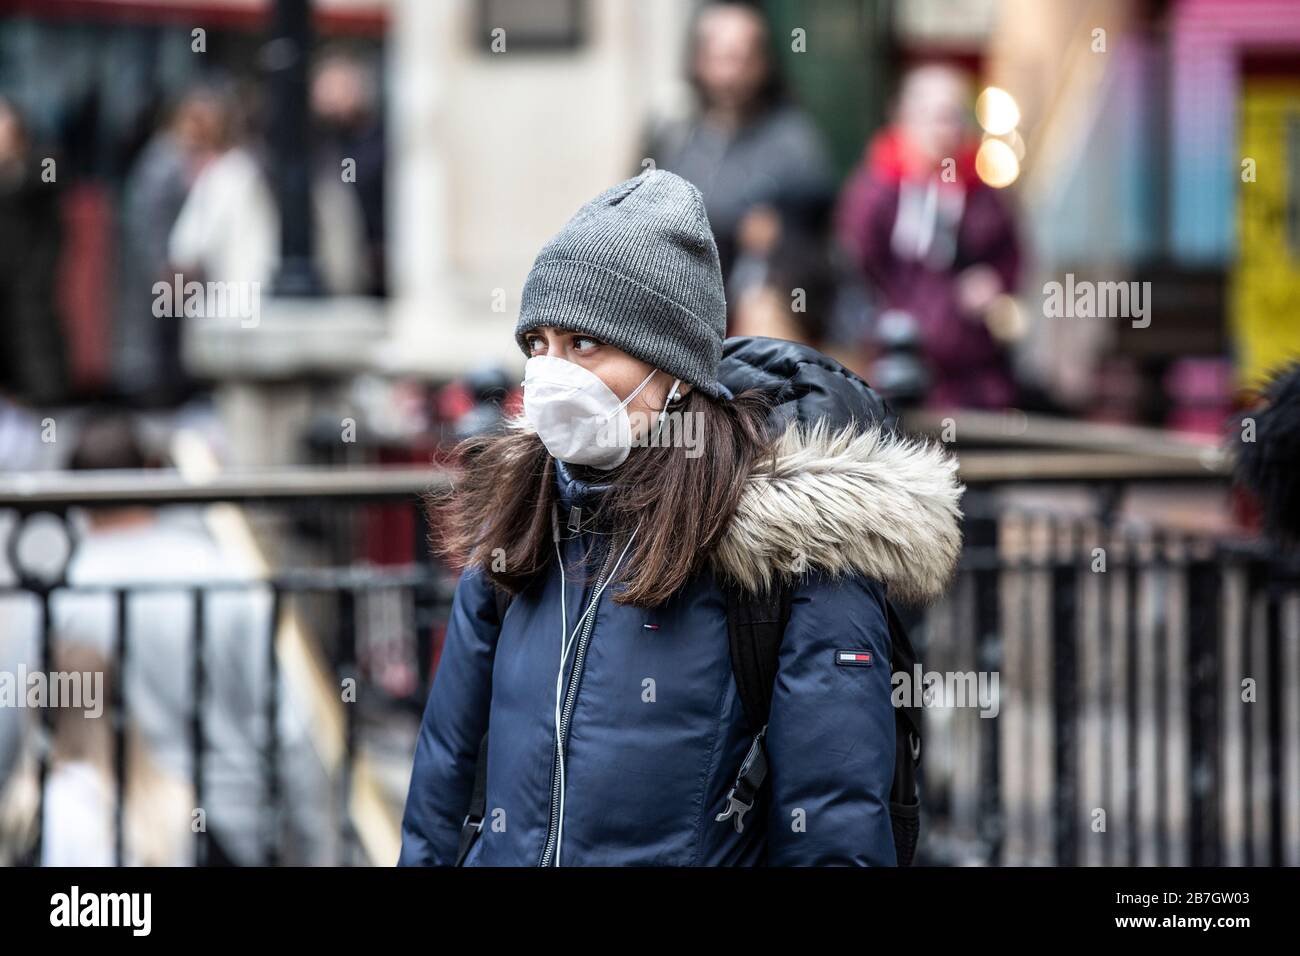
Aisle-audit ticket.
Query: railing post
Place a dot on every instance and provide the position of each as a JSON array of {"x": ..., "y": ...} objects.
[
  {"x": 119, "y": 727},
  {"x": 46, "y": 740},
  {"x": 1065, "y": 581},
  {"x": 1132, "y": 593},
  {"x": 271, "y": 838},
  {"x": 1273, "y": 682},
  {"x": 982, "y": 533},
  {"x": 425, "y": 608},
  {"x": 1204, "y": 596},
  {"x": 1250, "y": 667},
  {"x": 201, "y": 847},
  {"x": 347, "y": 668}
]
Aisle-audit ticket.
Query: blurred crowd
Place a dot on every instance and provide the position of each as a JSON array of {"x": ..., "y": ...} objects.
[
  {"x": 894, "y": 271},
  {"x": 897, "y": 270},
  {"x": 198, "y": 199}
]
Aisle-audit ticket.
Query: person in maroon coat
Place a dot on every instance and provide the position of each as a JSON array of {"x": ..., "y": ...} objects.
[{"x": 935, "y": 241}]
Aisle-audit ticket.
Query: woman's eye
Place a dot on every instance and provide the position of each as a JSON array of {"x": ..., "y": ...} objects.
[
  {"x": 535, "y": 343},
  {"x": 584, "y": 343}
]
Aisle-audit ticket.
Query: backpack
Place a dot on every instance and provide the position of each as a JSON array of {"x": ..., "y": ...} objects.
[{"x": 756, "y": 626}]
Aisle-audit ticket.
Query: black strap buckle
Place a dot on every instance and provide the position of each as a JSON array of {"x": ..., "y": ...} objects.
[{"x": 741, "y": 796}]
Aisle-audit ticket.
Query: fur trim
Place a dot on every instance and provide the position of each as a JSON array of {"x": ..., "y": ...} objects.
[{"x": 843, "y": 502}]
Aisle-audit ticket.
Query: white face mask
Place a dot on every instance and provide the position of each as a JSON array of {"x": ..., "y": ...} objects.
[{"x": 577, "y": 416}]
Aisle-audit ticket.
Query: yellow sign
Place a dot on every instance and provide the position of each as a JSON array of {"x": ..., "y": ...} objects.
[{"x": 1265, "y": 293}]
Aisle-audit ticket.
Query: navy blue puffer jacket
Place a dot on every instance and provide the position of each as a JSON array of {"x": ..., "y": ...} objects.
[{"x": 650, "y": 723}]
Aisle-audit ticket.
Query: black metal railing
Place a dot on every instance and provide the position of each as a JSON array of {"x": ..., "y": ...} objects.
[
  {"x": 1122, "y": 735},
  {"x": 1148, "y": 682},
  {"x": 296, "y": 496}
]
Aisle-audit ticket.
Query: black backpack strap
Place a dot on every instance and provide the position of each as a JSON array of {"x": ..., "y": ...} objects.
[
  {"x": 755, "y": 625},
  {"x": 904, "y": 658},
  {"x": 472, "y": 825},
  {"x": 503, "y": 602},
  {"x": 904, "y": 798}
]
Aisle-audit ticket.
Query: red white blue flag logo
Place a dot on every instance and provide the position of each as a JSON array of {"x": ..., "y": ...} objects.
[{"x": 853, "y": 658}]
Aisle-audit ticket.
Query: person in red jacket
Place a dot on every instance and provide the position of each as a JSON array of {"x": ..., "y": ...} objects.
[{"x": 936, "y": 242}]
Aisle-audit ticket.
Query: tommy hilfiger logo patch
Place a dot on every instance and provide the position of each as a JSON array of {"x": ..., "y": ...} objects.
[{"x": 853, "y": 658}]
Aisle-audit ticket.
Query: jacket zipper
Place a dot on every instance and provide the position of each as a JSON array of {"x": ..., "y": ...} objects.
[{"x": 566, "y": 713}]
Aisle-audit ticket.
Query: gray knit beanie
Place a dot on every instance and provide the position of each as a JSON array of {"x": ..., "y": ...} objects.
[{"x": 636, "y": 267}]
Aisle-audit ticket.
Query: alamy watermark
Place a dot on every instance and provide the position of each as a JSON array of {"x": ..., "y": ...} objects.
[
  {"x": 76, "y": 690},
  {"x": 132, "y": 911},
  {"x": 1085, "y": 299},
  {"x": 946, "y": 689},
  {"x": 679, "y": 430},
  {"x": 211, "y": 300}
]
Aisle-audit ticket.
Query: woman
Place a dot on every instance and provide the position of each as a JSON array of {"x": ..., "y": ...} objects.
[{"x": 645, "y": 476}]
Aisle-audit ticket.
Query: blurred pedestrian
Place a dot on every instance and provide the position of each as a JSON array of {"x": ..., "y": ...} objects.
[
  {"x": 937, "y": 243},
  {"x": 228, "y": 230},
  {"x": 350, "y": 148},
  {"x": 147, "y": 347},
  {"x": 228, "y": 227},
  {"x": 33, "y": 355},
  {"x": 80, "y": 793},
  {"x": 758, "y": 159},
  {"x": 126, "y": 546}
]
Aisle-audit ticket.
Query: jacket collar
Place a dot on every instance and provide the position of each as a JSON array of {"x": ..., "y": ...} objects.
[
  {"x": 848, "y": 500},
  {"x": 575, "y": 490}
]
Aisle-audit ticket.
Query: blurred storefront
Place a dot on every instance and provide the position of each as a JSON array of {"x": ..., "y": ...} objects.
[
  {"x": 1162, "y": 150},
  {"x": 1153, "y": 142}
]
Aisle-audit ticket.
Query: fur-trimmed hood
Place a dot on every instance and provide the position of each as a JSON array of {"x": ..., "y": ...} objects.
[
  {"x": 840, "y": 501},
  {"x": 847, "y": 501},
  {"x": 845, "y": 492}
]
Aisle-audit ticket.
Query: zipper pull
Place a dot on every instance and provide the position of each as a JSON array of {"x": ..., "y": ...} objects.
[{"x": 575, "y": 519}]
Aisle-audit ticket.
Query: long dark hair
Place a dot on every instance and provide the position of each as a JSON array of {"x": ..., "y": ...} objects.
[{"x": 497, "y": 515}]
